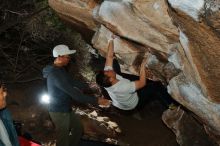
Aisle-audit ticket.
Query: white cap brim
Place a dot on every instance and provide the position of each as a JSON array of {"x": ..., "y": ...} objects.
[
  {"x": 64, "y": 53},
  {"x": 72, "y": 52}
]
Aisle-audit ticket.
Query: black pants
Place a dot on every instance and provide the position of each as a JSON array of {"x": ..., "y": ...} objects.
[
  {"x": 153, "y": 91},
  {"x": 66, "y": 123}
]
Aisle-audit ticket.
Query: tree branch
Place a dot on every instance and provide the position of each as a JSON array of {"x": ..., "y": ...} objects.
[{"x": 12, "y": 24}]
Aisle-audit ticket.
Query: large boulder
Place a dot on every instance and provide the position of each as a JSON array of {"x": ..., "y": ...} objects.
[
  {"x": 181, "y": 38},
  {"x": 196, "y": 88}
]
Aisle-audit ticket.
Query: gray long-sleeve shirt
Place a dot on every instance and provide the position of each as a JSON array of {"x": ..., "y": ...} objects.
[{"x": 63, "y": 89}]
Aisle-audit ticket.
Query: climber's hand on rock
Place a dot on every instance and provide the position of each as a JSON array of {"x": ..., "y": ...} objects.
[
  {"x": 113, "y": 36},
  {"x": 144, "y": 62}
]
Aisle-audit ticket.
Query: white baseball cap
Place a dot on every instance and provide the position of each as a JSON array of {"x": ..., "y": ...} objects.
[{"x": 61, "y": 50}]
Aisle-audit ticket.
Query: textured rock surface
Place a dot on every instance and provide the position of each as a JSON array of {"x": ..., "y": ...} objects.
[
  {"x": 77, "y": 12},
  {"x": 200, "y": 47},
  {"x": 181, "y": 38},
  {"x": 183, "y": 125},
  {"x": 212, "y": 15},
  {"x": 129, "y": 54},
  {"x": 139, "y": 25}
]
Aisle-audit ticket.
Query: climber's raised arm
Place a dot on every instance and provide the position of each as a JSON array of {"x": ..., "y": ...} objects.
[
  {"x": 110, "y": 52},
  {"x": 142, "y": 79}
]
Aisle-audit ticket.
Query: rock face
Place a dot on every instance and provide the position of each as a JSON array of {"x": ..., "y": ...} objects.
[
  {"x": 181, "y": 38},
  {"x": 181, "y": 124},
  {"x": 144, "y": 27},
  {"x": 82, "y": 11}
]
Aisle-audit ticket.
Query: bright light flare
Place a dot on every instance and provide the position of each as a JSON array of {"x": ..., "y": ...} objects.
[{"x": 45, "y": 98}]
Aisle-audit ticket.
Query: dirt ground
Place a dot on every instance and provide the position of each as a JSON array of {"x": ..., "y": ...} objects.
[
  {"x": 23, "y": 101},
  {"x": 149, "y": 131}
]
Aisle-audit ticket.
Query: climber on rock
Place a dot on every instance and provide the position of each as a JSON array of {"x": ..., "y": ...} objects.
[{"x": 124, "y": 93}]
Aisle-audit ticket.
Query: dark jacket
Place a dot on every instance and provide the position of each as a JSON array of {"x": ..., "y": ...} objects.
[
  {"x": 8, "y": 123},
  {"x": 63, "y": 89}
]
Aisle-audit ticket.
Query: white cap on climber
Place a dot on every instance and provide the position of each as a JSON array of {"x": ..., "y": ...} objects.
[{"x": 61, "y": 50}]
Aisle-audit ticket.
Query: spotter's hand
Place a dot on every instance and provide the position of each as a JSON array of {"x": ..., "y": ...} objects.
[{"x": 104, "y": 103}]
